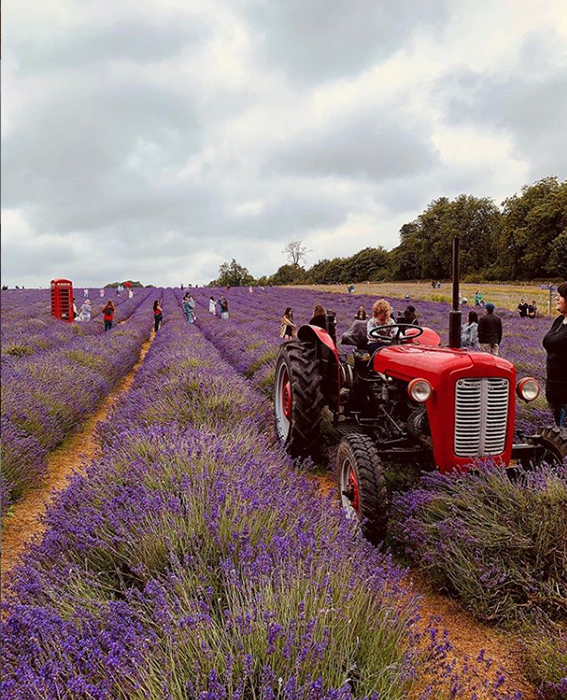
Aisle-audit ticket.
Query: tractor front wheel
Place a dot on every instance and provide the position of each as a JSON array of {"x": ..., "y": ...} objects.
[
  {"x": 362, "y": 485},
  {"x": 553, "y": 444},
  {"x": 298, "y": 400}
]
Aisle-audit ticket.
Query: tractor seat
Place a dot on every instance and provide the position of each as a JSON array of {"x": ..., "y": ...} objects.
[{"x": 356, "y": 335}]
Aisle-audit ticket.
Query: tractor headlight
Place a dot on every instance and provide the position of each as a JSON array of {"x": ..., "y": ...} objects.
[
  {"x": 419, "y": 390},
  {"x": 528, "y": 389}
]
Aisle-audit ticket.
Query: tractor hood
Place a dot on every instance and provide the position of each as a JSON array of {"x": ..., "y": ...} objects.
[{"x": 406, "y": 362}]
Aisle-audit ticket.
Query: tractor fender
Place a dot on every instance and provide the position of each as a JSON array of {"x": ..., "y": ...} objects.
[{"x": 320, "y": 337}]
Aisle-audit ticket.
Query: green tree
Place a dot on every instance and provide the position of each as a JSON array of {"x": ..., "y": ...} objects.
[
  {"x": 234, "y": 275},
  {"x": 288, "y": 274},
  {"x": 532, "y": 223}
]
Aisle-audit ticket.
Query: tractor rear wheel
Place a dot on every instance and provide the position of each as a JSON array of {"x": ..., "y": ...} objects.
[
  {"x": 298, "y": 399},
  {"x": 553, "y": 441},
  {"x": 362, "y": 485}
]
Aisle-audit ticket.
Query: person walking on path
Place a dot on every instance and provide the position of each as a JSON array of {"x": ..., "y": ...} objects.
[
  {"x": 158, "y": 315},
  {"x": 490, "y": 331},
  {"x": 86, "y": 309},
  {"x": 469, "y": 333},
  {"x": 189, "y": 307},
  {"x": 108, "y": 314},
  {"x": 288, "y": 328},
  {"x": 555, "y": 344},
  {"x": 212, "y": 306}
]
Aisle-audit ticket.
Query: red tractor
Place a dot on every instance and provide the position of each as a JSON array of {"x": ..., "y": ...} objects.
[{"x": 411, "y": 401}]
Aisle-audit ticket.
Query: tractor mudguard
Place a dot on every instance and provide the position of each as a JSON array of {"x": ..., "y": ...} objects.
[{"x": 329, "y": 353}]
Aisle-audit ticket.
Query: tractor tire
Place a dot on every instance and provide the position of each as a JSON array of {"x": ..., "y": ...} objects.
[
  {"x": 363, "y": 491},
  {"x": 298, "y": 399},
  {"x": 554, "y": 443}
]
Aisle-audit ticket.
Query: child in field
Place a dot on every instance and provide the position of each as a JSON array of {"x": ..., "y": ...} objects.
[{"x": 86, "y": 309}]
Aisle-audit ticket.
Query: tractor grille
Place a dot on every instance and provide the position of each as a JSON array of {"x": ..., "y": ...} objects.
[{"x": 481, "y": 417}]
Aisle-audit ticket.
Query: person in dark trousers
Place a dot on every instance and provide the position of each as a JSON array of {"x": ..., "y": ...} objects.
[
  {"x": 319, "y": 317},
  {"x": 523, "y": 308},
  {"x": 158, "y": 315},
  {"x": 555, "y": 344},
  {"x": 108, "y": 314},
  {"x": 490, "y": 331},
  {"x": 532, "y": 309}
]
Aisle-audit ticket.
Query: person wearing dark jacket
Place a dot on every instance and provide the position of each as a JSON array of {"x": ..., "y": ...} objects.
[
  {"x": 490, "y": 331},
  {"x": 555, "y": 344},
  {"x": 319, "y": 317}
]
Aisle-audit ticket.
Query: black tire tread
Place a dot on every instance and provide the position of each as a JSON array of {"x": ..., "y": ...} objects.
[
  {"x": 555, "y": 439},
  {"x": 307, "y": 398},
  {"x": 373, "y": 492}
]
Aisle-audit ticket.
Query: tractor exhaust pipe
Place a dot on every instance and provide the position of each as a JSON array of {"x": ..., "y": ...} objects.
[{"x": 455, "y": 314}]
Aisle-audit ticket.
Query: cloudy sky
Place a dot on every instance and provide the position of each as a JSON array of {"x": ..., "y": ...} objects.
[{"x": 156, "y": 139}]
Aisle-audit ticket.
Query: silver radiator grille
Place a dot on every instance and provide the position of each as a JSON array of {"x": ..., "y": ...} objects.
[{"x": 481, "y": 416}]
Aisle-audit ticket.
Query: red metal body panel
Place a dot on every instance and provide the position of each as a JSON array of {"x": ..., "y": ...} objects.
[
  {"x": 62, "y": 300},
  {"x": 442, "y": 367}
]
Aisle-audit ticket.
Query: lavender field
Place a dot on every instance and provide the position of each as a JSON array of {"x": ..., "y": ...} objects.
[{"x": 194, "y": 560}]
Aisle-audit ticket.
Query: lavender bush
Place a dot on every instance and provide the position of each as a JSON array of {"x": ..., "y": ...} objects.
[{"x": 499, "y": 544}]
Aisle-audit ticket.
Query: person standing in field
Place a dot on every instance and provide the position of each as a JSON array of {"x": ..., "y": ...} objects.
[
  {"x": 212, "y": 306},
  {"x": 555, "y": 344},
  {"x": 223, "y": 305},
  {"x": 288, "y": 328},
  {"x": 490, "y": 331},
  {"x": 410, "y": 316},
  {"x": 532, "y": 309},
  {"x": 523, "y": 308},
  {"x": 86, "y": 309},
  {"x": 469, "y": 333},
  {"x": 361, "y": 314},
  {"x": 108, "y": 314},
  {"x": 158, "y": 315},
  {"x": 188, "y": 307}
]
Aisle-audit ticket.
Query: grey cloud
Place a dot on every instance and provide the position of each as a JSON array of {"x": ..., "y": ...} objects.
[
  {"x": 368, "y": 147},
  {"x": 529, "y": 103},
  {"x": 327, "y": 39}
]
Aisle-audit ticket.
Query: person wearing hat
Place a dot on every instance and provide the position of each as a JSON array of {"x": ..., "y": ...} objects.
[{"x": 490, "y": 331}]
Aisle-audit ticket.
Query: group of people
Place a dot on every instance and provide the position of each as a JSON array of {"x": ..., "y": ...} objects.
[
  {"x": 219, "y": 307},
  {"x": 484, "y": 333},
  {"x": 527, "y": 310}
]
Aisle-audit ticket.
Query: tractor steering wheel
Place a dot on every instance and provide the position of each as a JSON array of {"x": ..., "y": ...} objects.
[{"x": 398, "y": 337}]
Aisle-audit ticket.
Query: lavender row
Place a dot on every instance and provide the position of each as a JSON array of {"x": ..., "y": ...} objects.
[
  {"x": 24, "y": 335},
  {"x": 249, "y": 340},
  {"x": 45, "y": 397},
  {"x": 192, "y": 561}
]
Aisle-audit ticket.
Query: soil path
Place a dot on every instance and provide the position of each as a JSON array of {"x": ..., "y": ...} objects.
[
  {"x": 74, "y": 453},
  {"x": 468, "y": 636}
]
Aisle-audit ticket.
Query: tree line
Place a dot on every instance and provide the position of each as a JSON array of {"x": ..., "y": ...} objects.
[{"x": 524, "y": 239}]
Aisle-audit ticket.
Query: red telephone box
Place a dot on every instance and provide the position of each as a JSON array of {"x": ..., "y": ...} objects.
[{"x": 62, "y": 300}]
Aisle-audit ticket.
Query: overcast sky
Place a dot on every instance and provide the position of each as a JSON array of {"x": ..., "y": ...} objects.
[{"x": 155, "y": 139}]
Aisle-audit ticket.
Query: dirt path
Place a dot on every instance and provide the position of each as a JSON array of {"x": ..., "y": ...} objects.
[
  {"x": 468, "y": 637},
  {"x": 70, "y": 457}
]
